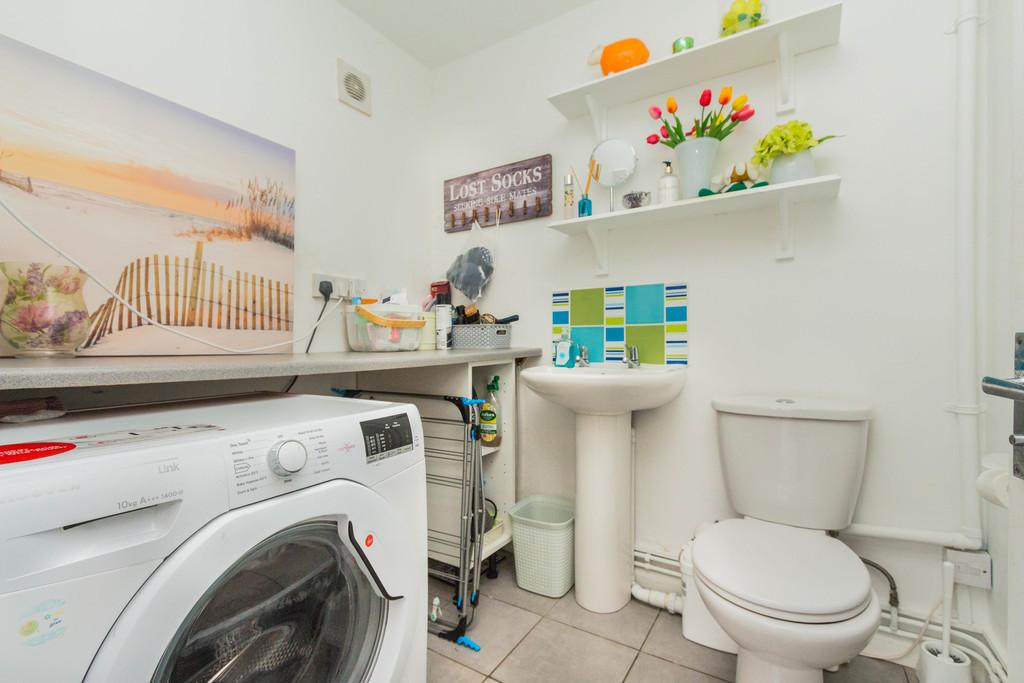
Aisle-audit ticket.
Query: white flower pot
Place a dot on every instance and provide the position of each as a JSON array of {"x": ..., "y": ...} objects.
[
  {"x": 790, "y": 167},
  {"x": 696, "y": 159}
]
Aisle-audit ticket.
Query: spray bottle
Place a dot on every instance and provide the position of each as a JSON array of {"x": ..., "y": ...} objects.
[{"x": 490, "y": 416}]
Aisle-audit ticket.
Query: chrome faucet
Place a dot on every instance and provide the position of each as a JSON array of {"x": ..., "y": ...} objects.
[
  {"x": 632, "y": 359},
  {"x": 584, "y": 358}
]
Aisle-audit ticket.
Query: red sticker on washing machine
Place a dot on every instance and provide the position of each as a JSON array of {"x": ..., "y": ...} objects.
[{"x": 19, "y": 452}]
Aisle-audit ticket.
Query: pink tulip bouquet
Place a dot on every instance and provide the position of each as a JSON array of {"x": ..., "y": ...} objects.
[{"x": 711, "y": 123}]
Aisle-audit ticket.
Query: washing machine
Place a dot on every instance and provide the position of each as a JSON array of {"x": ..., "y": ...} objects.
[{"x": 269, "y": 539}]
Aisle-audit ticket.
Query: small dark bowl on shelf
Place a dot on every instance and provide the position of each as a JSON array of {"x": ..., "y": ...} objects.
[{"x": 634, "y": 200}]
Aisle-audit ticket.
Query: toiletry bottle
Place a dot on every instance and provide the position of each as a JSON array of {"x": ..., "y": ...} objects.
[
  {"x": 443, "y": 321},
  {"x": 586, "y": 207},
  {"x": 569, "y": 198},
  {"x": 565, "y": 352},
  {"x": 490, "y": 416},
  {"x": 668, "y": 186}
]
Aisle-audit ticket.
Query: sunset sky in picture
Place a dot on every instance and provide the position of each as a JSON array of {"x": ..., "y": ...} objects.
[{"x": 66, "y": 124}]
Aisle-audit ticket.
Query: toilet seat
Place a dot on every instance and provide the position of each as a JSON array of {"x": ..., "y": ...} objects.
[{"x": 782, "y": 572}]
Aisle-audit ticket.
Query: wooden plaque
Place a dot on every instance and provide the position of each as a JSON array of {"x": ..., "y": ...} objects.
[{"x": 521, "y": 191}]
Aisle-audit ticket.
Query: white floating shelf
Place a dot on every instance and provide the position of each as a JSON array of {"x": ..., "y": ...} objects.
[
  {"x": 776, "y": 41},
  {"x": 675, "y": 213}
]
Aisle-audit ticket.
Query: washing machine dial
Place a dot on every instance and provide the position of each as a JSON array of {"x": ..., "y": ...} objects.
[{"x": 286, "y": 458}]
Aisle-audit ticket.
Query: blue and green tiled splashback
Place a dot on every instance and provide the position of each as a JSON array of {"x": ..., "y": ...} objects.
[{"x": 608, "y": 319}]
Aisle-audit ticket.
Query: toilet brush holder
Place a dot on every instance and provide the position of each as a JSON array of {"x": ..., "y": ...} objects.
[{"x": 933, "y": 667}]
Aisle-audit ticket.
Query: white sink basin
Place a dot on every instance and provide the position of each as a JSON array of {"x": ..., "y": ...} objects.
[
  {"x": 607, "y": 390},
  {"x": 604, "y": 398}
]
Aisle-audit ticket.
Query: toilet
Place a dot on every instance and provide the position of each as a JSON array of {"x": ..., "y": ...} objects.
[{"x": 795, "y": 599}]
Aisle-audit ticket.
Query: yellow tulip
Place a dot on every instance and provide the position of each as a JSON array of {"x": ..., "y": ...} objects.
[
  {"x": 721, "y": 117},
  {"x": 671, "y": 105},
  {"x": 739, "y": 103},
  {"x": 723, "y": 99}
]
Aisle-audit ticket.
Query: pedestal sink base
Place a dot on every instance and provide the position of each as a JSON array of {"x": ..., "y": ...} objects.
[
  {"x": 604, "y": 543},
  {"x": 604, "y": 398}
]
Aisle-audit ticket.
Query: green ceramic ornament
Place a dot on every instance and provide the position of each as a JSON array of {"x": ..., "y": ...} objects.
[{"x": 682, "y": 43}]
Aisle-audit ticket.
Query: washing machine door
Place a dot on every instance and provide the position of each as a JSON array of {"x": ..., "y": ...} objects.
[{"x": 315, "y": 587}]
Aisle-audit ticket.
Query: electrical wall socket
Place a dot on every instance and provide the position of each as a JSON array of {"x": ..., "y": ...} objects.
[
  {"x": 971, "y": 568},
  {"x": 342, "y": 285}
]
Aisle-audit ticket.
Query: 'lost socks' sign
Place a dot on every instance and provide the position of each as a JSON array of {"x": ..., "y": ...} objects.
[{"x": 520, "y": 191}]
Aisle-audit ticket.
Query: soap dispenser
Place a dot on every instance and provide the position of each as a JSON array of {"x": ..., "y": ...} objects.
[
  {"x": 566, "y": 352},
  {"x": 668, "y": 186}
]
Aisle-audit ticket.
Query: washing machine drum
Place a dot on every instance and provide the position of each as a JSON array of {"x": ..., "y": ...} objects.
[
  {"x": 295, "y": 609},
  {"x": 782, "y": 572}
]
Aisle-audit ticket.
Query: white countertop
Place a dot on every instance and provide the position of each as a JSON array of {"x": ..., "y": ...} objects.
[{"x": 87, "y": 371}]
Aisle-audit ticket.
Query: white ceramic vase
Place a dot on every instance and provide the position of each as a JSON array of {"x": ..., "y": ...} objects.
[
  {"x": 696, "y": 160},
  {"x": 790, "y": 167}
]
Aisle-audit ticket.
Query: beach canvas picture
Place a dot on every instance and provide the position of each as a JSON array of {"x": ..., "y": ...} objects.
[{"x": 189, "y": 219}]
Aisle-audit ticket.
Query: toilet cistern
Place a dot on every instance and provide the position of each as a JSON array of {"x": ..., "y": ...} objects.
[{"x": 604, "y": 398}]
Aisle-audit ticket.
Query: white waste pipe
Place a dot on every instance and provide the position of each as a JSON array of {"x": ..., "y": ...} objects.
[
  {"x": 673, "y": 602},
  {"x": 965, "y": 243}
]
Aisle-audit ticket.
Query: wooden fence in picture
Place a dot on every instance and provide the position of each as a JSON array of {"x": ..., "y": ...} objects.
[
  {"x": 196, "y": 293},
  {"x": 23, "y": 183}
]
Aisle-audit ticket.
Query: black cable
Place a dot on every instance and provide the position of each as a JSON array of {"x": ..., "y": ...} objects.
[{"x": 326, "y": 289}]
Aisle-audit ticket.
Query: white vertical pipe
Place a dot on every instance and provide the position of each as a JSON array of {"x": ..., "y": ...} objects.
[{"x": 965, "y": 164}]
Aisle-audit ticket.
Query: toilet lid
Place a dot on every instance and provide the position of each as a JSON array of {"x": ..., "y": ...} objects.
[{"x": 782, "y": 572}]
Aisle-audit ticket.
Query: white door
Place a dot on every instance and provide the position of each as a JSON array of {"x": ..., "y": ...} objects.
[
  {"x": 307, "y": 588},
  {"x": 1015, "y": 568}
]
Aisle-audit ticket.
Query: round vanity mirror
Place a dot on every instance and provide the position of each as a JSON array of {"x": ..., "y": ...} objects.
[{"x": 614, "y": 163}]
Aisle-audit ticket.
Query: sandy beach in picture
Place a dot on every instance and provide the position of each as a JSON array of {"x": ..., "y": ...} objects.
[{"x": 142, "y": 191}]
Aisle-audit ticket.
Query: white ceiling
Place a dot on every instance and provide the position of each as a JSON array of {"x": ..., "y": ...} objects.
[{"x": 439, "y": 31}]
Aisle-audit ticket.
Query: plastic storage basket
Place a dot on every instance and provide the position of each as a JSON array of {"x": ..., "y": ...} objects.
[
  {"x": 542, "y": 535},
  {"x": 481, "y": 336},
  {"x": 384, "y": 327}
]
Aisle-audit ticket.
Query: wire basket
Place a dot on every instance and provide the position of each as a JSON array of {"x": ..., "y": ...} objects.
[{"x": 481, "y": 336}]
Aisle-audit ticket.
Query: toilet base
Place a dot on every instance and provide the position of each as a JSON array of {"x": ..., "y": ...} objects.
[{"x": 750, "y": 668}]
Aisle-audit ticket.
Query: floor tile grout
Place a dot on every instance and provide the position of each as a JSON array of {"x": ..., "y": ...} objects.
[
  {"x": 596, "y": 635},
  {"x": 631, "y": 665},
  {"x": 688, "y": 668},
  {"x": 514, "y": 647},
  {"x": 650, "y": 630}
]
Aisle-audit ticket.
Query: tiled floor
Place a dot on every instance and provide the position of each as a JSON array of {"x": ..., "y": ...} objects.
[{"x": 528, "y": 638}]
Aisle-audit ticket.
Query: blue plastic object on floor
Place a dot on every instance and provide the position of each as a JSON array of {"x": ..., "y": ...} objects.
[{"x": 466, "y": 642}]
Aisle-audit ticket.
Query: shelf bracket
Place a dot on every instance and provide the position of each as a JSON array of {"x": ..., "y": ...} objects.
[
  {"x": 599, "y": 240},
  {"x": 784, "y": 232},
  {"x": 598, "y": 117},
  {"x": 786, "y": 75}
]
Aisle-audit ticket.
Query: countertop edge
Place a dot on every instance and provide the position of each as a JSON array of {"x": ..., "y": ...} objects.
[{"x": 88, "y": 371}]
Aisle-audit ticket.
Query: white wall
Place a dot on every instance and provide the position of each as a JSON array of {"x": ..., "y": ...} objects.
[
  {"x": 268, "y": 66},
  {"x": 865, "y": 311}
]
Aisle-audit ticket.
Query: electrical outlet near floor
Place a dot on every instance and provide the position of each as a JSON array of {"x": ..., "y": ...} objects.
[
  {"x": 971, "y": 567},
  {"x": 342, "y": 285}
]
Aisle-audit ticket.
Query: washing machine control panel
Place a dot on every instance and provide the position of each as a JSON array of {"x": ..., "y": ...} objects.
[
  {"x": 386, "y": 437},
  {"x": 364, "y": 448}
]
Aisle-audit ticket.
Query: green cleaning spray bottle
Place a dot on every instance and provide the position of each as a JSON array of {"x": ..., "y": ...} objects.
[{"x": 490, "y": 416}]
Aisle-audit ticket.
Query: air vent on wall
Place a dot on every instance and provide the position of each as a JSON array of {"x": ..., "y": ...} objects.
[{"x": 353, "y": 87}]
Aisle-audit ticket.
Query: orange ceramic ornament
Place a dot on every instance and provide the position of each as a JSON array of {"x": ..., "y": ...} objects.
[{"x": 620, "y": 55}]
